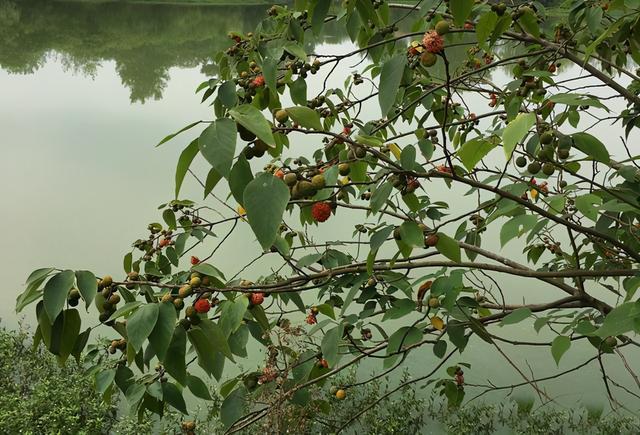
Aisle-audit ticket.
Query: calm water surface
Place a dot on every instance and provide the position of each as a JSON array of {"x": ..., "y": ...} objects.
[{"x": 86, "y": 93}]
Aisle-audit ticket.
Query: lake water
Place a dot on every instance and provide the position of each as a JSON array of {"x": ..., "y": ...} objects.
[{"x": 87, "y": 92}]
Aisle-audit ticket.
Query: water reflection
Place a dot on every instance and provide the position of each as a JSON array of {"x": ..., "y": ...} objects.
[{"x": 143, "y": 40}]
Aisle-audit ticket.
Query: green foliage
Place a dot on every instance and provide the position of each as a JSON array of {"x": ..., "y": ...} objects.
[{"x": 39, "y": 397}]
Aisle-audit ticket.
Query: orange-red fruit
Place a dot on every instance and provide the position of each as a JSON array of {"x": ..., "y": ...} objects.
[
  {"x": 256, "y": 298},
  {"x": 279, "y": 174},
  {"x": 164, "y": 242},
  {"x": 258, "y": 81},
  {"x": 321, "y": 211},
  {"x": 433, "y": 42},
  {"x": 194, "y": 260},
  {"x": 202, "y": 306}
]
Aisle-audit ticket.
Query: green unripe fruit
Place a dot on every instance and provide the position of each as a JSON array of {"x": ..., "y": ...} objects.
[
  {"x": 563, "y": 154},
  {"x": 195, "y": 281},
  {"x": 259, "y": 147},
  {"x": 194, "y": 320},
  {"x": 104, "y": 316},
  {"x": 107, "y": 306},
  {"x": 290, "y": 179},
  {"x": 178, "y": 303},
  {"x": 611, "y": 341},
  {"x": 396, "y": 233},
  {"x": 428, "y": 59},
  {"x": 114, "y": 299},
  {"x": 360, "y": 152},
  {"x": 548, "y": 169},
  {"x": 245, "y": 134},
  {"x": 74, "y": 294},
  {"x": 106, "y": 281},
  {"x": 442, "y": 27},
  {"x": 305, "y": 188},
  {"x": 72, "y": 301},
  {"x": 190, "y": 311},
  {"x": 185, "y": 323},
  {"x": 434, "y": 302},
  {"x": 546, "y": 138},
  {"x": 318, "y": 181},
  {"x": 562, "y": 184},
  {"x": 534, "y": 167},
  {"x": 344, "y": 168},
  {"x": 184, "y": 291},
  {"x": 282, "y": 116},
  {"x": 521, "y": 162}
]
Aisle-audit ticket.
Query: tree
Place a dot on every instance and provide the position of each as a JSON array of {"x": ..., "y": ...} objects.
[{"x": 452, "y": 163}]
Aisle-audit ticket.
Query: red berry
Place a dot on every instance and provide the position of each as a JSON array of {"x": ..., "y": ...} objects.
[
  {"x": 202, "y": 306},
  {"x": 194, "y": 260},
  {"x": 321, "y": 211},
  {"x": 256, "y": 298},
  {"x": 311, "y": 319},
  {"x": 258, "y": 81},
  {"x": 164, "y": 242}
]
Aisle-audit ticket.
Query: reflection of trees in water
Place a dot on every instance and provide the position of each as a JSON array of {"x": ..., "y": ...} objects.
[{"x": 143, "y": 40}]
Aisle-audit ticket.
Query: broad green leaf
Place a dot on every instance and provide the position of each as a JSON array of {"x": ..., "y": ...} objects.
[
  {"x": 460, "y": 9},
  {"x": 208, "y": 270},
  {"x": 401, "y": 339},
  {"x": 30, "y": 294},
  {"x": 327, "y": 310},
  {"x": 170, "y": 218},
  {"x": 305, "y": 117},
  {"x": 125, "y": 309},
  {"x": 379, "y": 197},
  {"x": 390, "y": 78},
  {"x": 587, "y": 205},
  {"x": 298, "y": 91},
  {"x": 208, "y": 357},
  {"x": 66, "y": 335},
  {"x": 448, "y": 247},
  {"x": 318, "y": 16},
  {"x": 81, "y": 342},
  {"x": 620, "y": 320},
  {"x": 174, "y": 361},
  {"x": 559, "y": 346},
  {"x": 265, "y": 199},
  {"x": 270, "y": 73},
  {"x": 253, "y": 120},
  {"x": 184, "y": 162},
  {"x": 239, "y": 177},
  {"x": 408, "y": 157},
  {"x": 516, "y": 316},
  {"x": 411, "y": 234},
  {"x": 234, "y": 406},
  {"x": 104, "y": 379},
  {"x": 516, "y": 227},
  {"x": 591, "y": 146},
  {"x": 227, "y": 94},
  {"x": 399, "y": 308},
  {"x": 140, "y": 324},
  {"x": 331, "y": 344},
  {"x": 232, "y": 314},
  {"x": 173, "y": 396},
  {"x": 213, "y": 177},
  {"x": 216, "y": 337},
  {"x": 217, "y": 144},
  {"x": 198, "y": 387},
  {"x": 515, "y": 131},
  {"x": 87, "y": 285},
  {"x": 56, "y": 291},
  {"x": 160, "y": 337},
  {"x": 134, "y": 393},
  {"x": 485, "y": 26},
  {"x": 38, "y": 275},
  {"x": 473, "y": 151}
]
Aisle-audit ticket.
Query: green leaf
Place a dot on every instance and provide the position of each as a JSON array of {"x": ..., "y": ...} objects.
[
  {"x": 232, "y": 314},
  {"x": 173, "y": 396},
  {"x": 217, "y": 144},
  {"x": 587, "y": 205},
  {"x": 174, "y": 361},
  {"x": 66, "y": 335},
  {"x": 559, "y": 346},
  {"x": 198, "y": 387},
  {"x": 330, "y": 345},
  {"x": 460, "y": 9},
  {"x": 515, "y": 131},
  {"x": 184, "y": 162},
  {"x": 327, "y": 310},
  {"x": 305, "y": 117},
  {"x": 141, "y": 323},
  {"x": 448, "y": 247},
  {"x": 171, "y": 136},
  {"x": 56, "y": 291},
  {"x": 209, "y": 270},
  {"x": 270, "y": 73},
  {"x": 265, "y": 198},
  {"x": 473, "y": 151},
  {"x": 484, "y": 28},
  {"x": 253, "y": 120},
  {"x": 516, "y": 316},
  {"x": 160, "y": 337},
  {"x": 516, "y": 227},
  {"x": 620, "y": 320},
  {"x": 408, "y": 157},
  {"x": 170, "y": 218},
  {"x": 239, "y": 177},
  {"x": 38, "y": 275},
  {"x": 529, "y": 22},
  {"x": 402, "y": 338},
  {"x": 134, "y": 393},
  {"x": 318, "y": 16},
  {"x": 104, "y": 379},
  {"x": 125, "y": 309},
  {"x": 298, "y": 91},
  {"x": 208, "y": 357},
  {"x": 227, "y": 94},
  {"x": 591, "y": 146},
  {"x": 216, "y": 337},
  {"x": 390, "y": 78},
  {"x": 233, "y": 407},
  {"x": 379, "y": 197},
  {"x": 411, "y": 234},
  {"x": 399, "y": 308},
  {"x": 440, "y": 348},
  {"x": 213, "y": 177}
]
